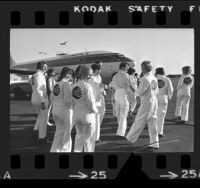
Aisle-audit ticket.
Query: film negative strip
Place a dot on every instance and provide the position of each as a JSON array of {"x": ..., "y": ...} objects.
[{"x": 166, "y": 32}]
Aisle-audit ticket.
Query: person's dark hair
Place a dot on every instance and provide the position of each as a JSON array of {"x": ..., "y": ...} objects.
[
  {"x": 40, "y": 64},
  {"x": 84, "y": 71},
  {"x": 95, "y": 67},
  {"x": 141, "y": 75},
  {"x": 98, "y": 62},
  {"x": 63, "y": 73},
  {"x": 160, "y": 70},
  {"x": 50, "y": 71},
  {"x": 77, "y": 72},
  {"x": 123, "y": 64},
  {"x": 147, "y": 65},
  {"x": 186, "y": 69},
  {"x": 131, "y": 71},
  {"x": 72, "y": 73}
]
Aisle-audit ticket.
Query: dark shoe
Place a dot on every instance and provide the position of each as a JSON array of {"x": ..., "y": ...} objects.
[
  {"x": 98, "y": 141},
  {"x": 42, "y": 141},
  {"x": 120, "y": 137},
  {"x": 179, "y": 118},
  {"x": 182, "y": 122},
  {"x": 161, "y": 135}
]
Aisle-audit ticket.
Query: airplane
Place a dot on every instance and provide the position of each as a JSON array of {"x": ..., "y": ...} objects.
[
  {"x": 110, "y": 60},
  {"x": 63, "y": 43}
]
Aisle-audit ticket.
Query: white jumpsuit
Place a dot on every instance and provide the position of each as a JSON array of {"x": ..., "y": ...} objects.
[
  {"x": 61, "y": 101},
  {"x": 102, "y": 107},
  {"x": 165, "y": 91},
  {"x": 39, "y": 95},
  {"x": 121, "y": 83},
  {"x": 147, "y": 112},
  {"x": 131, "y": 94},
  {"x": 183, "y": 98},
  {"x": 98, "y": 98},
  {"x": 84, "y": 116},
  {"x": 111, "y": 85}
]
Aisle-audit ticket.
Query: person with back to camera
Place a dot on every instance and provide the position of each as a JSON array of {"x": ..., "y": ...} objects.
[
  {"x": 112, "y": 87},
  {"x": 121, "y": 83},
  {"x": 39, "y": 100},
  {"x": 102, "y": 86},
  {"x": 61, "y": 100},
  {"x": 165, "y": 91},
  {"x": 185, "y": 84},
  {"x": 94, "y": 81},
  {"x": 50, "y": 84},
  {"x": 84, "y": 112},
  {"x": 147, "y": 112},
  {"x": 132, "y": 95}
]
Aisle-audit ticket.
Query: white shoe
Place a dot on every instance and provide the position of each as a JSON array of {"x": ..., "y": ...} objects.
[{"x": 49, "y": 124}]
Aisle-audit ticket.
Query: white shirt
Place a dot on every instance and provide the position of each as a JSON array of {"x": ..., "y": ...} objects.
[
  {"x": 184, "y": 89},
  {"x": 148, "y": 87},
  {"x": 94, "y": 81},
  {"x": 83, "y": 95},
  {"x": 165, "y": 86},
  {"x": 61, "y": 94},
  {"x": 39, "y": 87},
  {"x": 121, "y": 80}
]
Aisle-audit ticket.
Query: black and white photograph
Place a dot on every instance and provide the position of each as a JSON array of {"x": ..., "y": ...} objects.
[{"x": 101, "y": 90}]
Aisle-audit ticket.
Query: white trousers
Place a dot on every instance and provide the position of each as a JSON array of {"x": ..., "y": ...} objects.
[
  {"x": 122, "y": 107},
  {"x": 97, "y": 126},
  {"x": 114, "y": 108},
  {"x": 140, "y": 121},
  {"x": 85, "y": 130},
  {"x": 102, "y": 108},
  {"x": 62, "y": 138},
  {"x": 162, "y": 110},
  {"x": 49, "y": 112},
  {"x": 41, "y": 123},
  {"x": 182, "y": 106}
]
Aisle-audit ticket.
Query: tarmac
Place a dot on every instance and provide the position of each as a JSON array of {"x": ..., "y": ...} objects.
[{"x": 178, "y": 137}]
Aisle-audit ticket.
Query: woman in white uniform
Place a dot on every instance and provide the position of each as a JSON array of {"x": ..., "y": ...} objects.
[
  {"x": 147, "y": 112},
  {"x": 165, "y": 92},
  {"x": 84, "y": 112},
  {"x": 61, "y": 100},
  {"x": 184, "y": 94}
]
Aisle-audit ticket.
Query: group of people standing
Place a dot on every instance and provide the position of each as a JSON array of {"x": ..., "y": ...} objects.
[
  {"x": 77, "y": 99},
  {"x": 153, "y": 92}
]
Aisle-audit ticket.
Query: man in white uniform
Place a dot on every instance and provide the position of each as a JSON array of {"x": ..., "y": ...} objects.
[
  {"x": 95, "y": 82},
  {"x": 121, "y": 84},
  {"x": 39, "y": 100},
  {"x": 147, "y": 112},
  {"x": 84, "y": 112},
  {"x": 61, "y": 100},
  {"x": 102, "y": 108},
  {"x": 185, "y": 84},
  {"x": 165, "y": 91}
]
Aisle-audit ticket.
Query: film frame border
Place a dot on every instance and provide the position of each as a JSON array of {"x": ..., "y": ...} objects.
[{"x": 42, "y": 15}]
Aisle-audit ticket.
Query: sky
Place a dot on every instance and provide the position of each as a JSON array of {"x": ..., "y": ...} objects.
[{"x": 168, "y": 48}]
